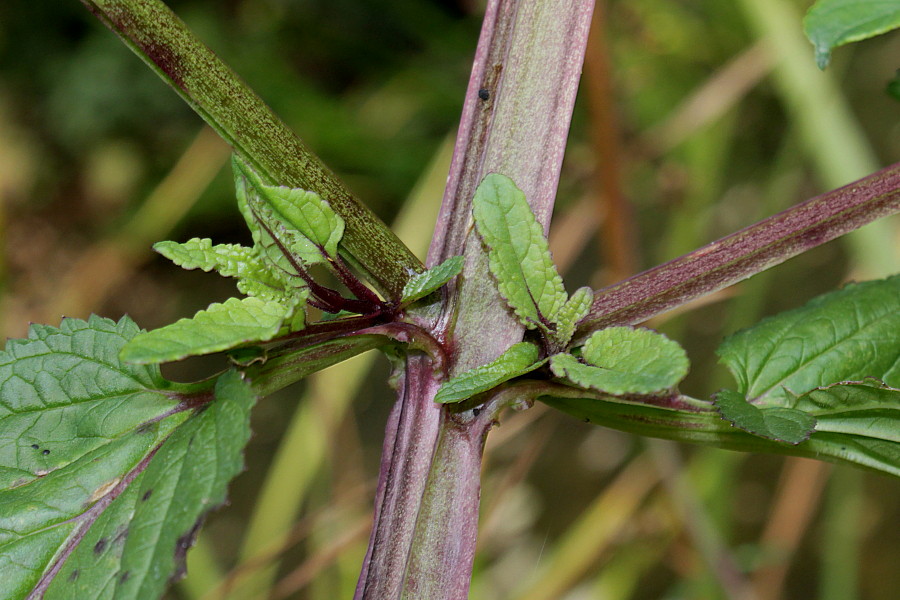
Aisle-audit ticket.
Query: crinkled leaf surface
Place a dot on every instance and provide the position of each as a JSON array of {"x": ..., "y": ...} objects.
[
  {"x": 254, "y": 277},
  {"x": 422, "y": 284},
  {"x": 846, "y": 335},
  {"x": 625, "y": 361},
  {"x": 308, "y": 214},
  {"x": 219, "y": 327},
  {"x": 833, "y": 23},
  {"x": 274, "y": 235},
  {"x": 779, "y": 424},
  {"x": 518, "y": 252},
  {"x": 573, "y": 311},
  {"x": 519, "y": 359},
  {"x": 88, "y": 456}
]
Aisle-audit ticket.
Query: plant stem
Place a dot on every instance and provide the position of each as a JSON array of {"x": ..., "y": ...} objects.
[
  {"x": 747, "y": 252},
  {"x": 515, "y": 121},
  {"x": 241, "y": 117}
]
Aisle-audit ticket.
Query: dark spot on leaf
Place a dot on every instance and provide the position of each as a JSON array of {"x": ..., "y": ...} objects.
[
  {"x": 183, "y": 544},
  {"x": 45, "y": 452},
  {"x": 73, "y": 575},
  {"x": 100, "y": 546},
  {"x": 146, "y": 495},
  {"x": 124, "y": 576},
  {"x": 145, "y": 428},
  {"x": 484, "y": 94},
  {"x": 35, "y": 446},
  {"x": 586, "y": 420}
]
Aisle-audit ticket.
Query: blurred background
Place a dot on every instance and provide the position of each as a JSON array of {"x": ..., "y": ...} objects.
[{"x": 695, "y": 118}]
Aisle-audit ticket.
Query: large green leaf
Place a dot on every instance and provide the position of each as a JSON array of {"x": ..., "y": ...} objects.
[
  {"x": 138, "y": 543},
  {"x": 422, "y": 284},
  {"x": 518, "y": 252},
  {"x": 846, "y": 335},
  {"x": 89, "y": 463},
  {"x": 833, "y": 23},
  {"x": 219, "y": 327},
  {"x": 625, "y": 361},
  {"x": 518, "y": 359}
]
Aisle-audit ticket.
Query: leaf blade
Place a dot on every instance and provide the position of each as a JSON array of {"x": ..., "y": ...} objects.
[
  {"x": 832, "y": 23},
  {"x": 518, "y": 252},
  {"x": 423, "y": 284},
  {"x": 217, "y": 328},
  {"x": 518, "y": 360}
]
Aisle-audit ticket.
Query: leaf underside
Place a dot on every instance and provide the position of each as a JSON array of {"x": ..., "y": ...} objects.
[{"x": 105, "y": 471}]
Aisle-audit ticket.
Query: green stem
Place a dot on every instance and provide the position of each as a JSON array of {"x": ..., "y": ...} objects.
[{"x": 258, "y": 136}]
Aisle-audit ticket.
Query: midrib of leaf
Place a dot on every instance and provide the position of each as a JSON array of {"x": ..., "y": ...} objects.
[{"x": 823, "y": 352}]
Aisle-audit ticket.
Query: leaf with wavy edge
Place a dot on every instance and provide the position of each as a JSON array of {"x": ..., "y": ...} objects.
[
  {"x": 518, "y": 360},
  {"x": 573, "y": 311},
  {"x": 774, "y": 423},
  {"x": 422, "y": 284},
  {"x": 518, "y": 252},
  {"x": 219, "y": 327}
]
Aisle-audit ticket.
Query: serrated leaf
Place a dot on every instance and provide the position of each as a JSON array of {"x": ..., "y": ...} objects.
[
  {"x": 778, "y": 424},
  {"x": 846, "y": 335},
  {"x": 518, "y": 252},
  {"x": 832, "y": 23},
  {"x": 519, "y": 359},
  {"x": 625, "y": 361},
  {"x": 73, "y": 422},
  {"x": 309, "y": 214},
  {"x": 219, "y": 327},
  {"x": 422, "y": 284},
  {"x": 254, "y": 277},
  {"x": 573, "y": 311},
  {"x": 276, "y": 234},
  {"x": 137, "y": 544}
]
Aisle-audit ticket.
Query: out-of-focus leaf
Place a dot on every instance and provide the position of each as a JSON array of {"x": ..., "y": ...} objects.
[
  {"x": 573, "y": 311},
  {"x": 427, "y": 282},
  {"x": 832, "y": 23},
  {"x": 779, "y": 424},
  {"x": 518, "y": 252},
  {"x": 846, "y": 335},
  {"x": 519, "y": 359},
  {"x": 219, "y": 327}
]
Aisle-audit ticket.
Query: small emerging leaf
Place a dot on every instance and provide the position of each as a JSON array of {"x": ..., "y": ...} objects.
[
  {"x": 519, "y": 359},
  {"x": 219, "y": 327},
  {"x": 573, "y": 311},
  {"x": 779, "y": 424},
  {"x": 425, "y": 283},
  {"x": 518, "y": 251},
  {"x": 232, "y": 260},
  {"x": 308, "y": 214},
  {"x": 833, "y": 23},
  {"x": 624, "y": 361}
]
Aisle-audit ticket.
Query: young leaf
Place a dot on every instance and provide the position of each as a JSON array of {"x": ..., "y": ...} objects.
[
  {"x": 232, "y": 260},
  {"x": 285, "y": 219},
  {"x": 846, "y": 335},
  {"x": 573, "y": 311},
  {"x": 219, "y": 327},
  {"x": 779, "y": 424},
  {"x": 518, "y": 252},
  {"x": 519, "y": 359},
  {"x": 833, "y": 23},
  {"x": 625, "y": 361},
  {"x": 425, "y": 283},
  {"x": 139, "y": 530}
]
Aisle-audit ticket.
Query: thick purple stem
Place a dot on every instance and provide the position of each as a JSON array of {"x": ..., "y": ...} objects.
[
  {"x": 515, "y": 121},
  {"x": 747, "y": 252}
]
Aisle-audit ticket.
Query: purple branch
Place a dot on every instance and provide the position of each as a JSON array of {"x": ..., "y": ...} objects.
[{"x": 747, "y": 252}]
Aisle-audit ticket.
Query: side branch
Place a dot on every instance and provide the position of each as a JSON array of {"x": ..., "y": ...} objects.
[
  {"x": 747, "y": 252},
  {"x": 241, "y": 117}
]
